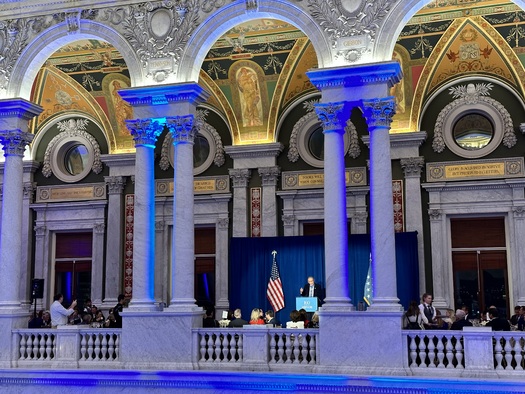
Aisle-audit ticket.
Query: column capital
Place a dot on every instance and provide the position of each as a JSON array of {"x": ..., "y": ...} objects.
[
  {"x": 412, "y": 166},
  {"x": 288, "y": 220},
  {"x": 15, "y": 141},
  {"x": 99, "y": 228},
  {"x": 159, "y": 226},
  {"x": 379, "y": 111},
  {"x": 269, "y": 175},
  {"x": 182, "y": 128},
  {"x": 40, "y": 231},
  {"x": 360, "y": 217},
  {"x": 518, "y": 212},
  {"x": 29, "y": 190},
  {"x": 144, "y": 131},
  {"x": 223, "y": 223},
  {"x": 435, "y": 215},
  {"x": 115, "y": 184},
  {"x": 333, "y": 116},
  {"x": 240, "y": 176}
]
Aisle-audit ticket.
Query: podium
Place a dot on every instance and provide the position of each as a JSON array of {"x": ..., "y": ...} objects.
[{"x": 309, "y": 304}]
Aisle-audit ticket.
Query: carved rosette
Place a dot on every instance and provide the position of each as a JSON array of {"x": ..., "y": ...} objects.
[
  {"x": 240, "y": 177},
  {"x": 269, "y": 175},
  {"x": 14, "y": 142},
  {"x": 332, "y": 116},
  {"x": 144, "y": 131},
  {"x": 115, "y": 184},
  {"x": 182, "y": 128},
  {"x": 379, "y": 112},
  {"x": 412, "y": 166}
]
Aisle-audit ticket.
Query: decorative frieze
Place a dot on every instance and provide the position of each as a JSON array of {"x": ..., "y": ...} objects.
[
  {"x": 510, "y": 167},
  {"x": 201, "y": 185},
  {"x": 58, "y": 193},
  {"x": 355, "y": 176}
]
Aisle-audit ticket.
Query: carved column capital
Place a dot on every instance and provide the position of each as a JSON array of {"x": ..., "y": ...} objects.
[
  {"x": 379, "y": 112},
  {"x": 40, "y": 231},
  {"x": 333, "y": 116},
  {"x": 269, "y": 175},
  {"x": 288, "y": 220},
  {"x": 29, "y": 191},
  {"x": 144, "y": 131},
  {"x": 159, "y": 226},
  {"x": 518, "y": 212},
  {"x": 99, "y": 228},
  {"x": 412, "y": 166},
  {"x": 15, "y": 141},
  {"x": 240, "y": 177},
  {"x": 360, "y": 217},
  {"x": 182, "y": 128},
  {"x": 115, "y": 184},
  {"x": 223, "y": 223},
  {"x": 435, "y": 215}
]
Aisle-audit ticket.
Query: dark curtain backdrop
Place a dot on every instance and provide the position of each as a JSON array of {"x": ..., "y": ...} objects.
[{"x": 300, "y": 257}]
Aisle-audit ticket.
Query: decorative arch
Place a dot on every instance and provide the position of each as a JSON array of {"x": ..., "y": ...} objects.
[
  {"x": 44, "y": 45},
  {"x": 229, "y": 16}
]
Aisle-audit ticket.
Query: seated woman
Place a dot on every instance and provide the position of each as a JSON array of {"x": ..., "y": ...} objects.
[
  {"x": 314, "y": 323},
  {"x": 255, "y": 317},
  {"x": 295, "y": 322}
]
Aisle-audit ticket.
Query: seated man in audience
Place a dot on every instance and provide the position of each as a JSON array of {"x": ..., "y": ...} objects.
[
  {"x": 209, "y": 321},
  {"x": 238, "y": 321},
  {"x": 497, "y": 323},
  {"x": 460, "y": 321},
  {"x": 271, "y": 319}
]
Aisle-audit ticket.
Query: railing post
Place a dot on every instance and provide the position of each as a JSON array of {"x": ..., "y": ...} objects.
[
  {"x": 478, "y": 349},
  {"x": 256, "y": 342},
  {"x": 67, "y": 347}
]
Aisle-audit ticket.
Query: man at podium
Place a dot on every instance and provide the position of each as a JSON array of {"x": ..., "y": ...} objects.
[{"x": 311, "y": 289}]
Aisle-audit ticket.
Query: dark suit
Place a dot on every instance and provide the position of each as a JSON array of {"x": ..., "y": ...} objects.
[
  {"x": 237, "y": 323},
  {"x": 498, "y": 324},
  {"x": 274, "y": 321},
  {"x": 459, "y": 324},
  {"x": 317, "y": 290}
]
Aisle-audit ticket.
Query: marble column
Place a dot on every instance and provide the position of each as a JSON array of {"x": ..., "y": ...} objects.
[
  {"x": 379, "y": 113},
  {"x": 240, "y": 178},
  {"x": 14, "y": 137},
  {"x": 269, "y": 176},
  {"x": 222, "y": 302},
  {"x": 14, "y": 143},
  {"x": 183, "y": 130},
  {"x": 145, "y": 133},
  {"x": 412, "y": 167},
  {"x": 518, "y": 216},
  {"x": 27, "y": 220},
  {"x": 114, "y": 239},
  {"x": 439, "y": 260},
  {"x": 333, "y": 117},
  {"x": 97, "y": 275}
]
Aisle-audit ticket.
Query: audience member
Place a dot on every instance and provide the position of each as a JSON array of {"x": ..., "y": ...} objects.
[
  {"x": 237, "y": 321},
  {"x": 412, "y": 319},
  {"x": 314, "y": 323},
  {"x": 295, "y": 318},
  {"x": 36, "y": 321},
  {"x": 209, "y": 321},
  {"x": 46, "y": 319},
  {"x": 255, "y": 317},
  {"x": 460, "y": 321},
  {"x": 75, "y": 318},
  {"x": 497, "y": 323},
  {"x": 59, "y": 314},
  {"x": 118, "y": 309},
  {"x": 514, "y": 318},
  {"x": 271, "y": 319}
]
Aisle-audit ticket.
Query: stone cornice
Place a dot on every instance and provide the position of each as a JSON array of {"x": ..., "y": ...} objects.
[
  {"x": 474, "y": 185},
  {"x": 354, "y": 76},
  {"x": 119, "y": 160},
  {"x": 164, "y": 94},
  {"x": 261, "y": 150},
  {"x": 19, "y": 108},
  {"x": 414, "y": 139}
]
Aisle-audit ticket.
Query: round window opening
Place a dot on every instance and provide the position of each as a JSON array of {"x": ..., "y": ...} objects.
[
  {"x": 473, "y": 132},
  {"x": 316, "y": 143},
  {"x": 201, "y": 150},
  {"x": 76, "y": 159}
]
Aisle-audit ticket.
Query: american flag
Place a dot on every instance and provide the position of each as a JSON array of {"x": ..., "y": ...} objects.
[{"x": 275, "y": 292}]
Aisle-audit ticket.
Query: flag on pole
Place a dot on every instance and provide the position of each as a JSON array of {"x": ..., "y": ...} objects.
[
  {"x": 275, "y": 292},
  {"x": 369, "y": 289}
]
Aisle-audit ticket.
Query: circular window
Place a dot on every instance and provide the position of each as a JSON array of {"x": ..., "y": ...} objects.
[
  {"x": 473, "y": 131},
  {"x": 201, "y": 150},
  {"x": 316, "y": 143},
  {"x": 76, "y": 159}
]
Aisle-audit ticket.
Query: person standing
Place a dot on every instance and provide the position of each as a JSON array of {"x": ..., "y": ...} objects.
[
  {"x": 59, "y": 314},
  {"x": 311, "y": 289},
  {"x": 428, "y": 312},
  {"x": 117, "y": 310}
]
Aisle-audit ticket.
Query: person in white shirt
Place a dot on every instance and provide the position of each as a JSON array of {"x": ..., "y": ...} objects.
[
  {"x": 428, "y": 312},
  {"x": 59, "y": 314}
]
